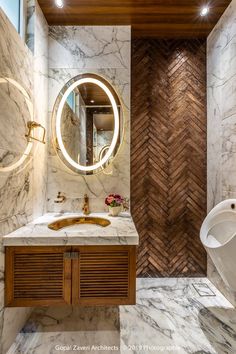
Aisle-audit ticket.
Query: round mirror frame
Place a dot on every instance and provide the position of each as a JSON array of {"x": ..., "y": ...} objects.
[
  {"x": 58, "y": 142},
  {"x": 29, "y": 104}
]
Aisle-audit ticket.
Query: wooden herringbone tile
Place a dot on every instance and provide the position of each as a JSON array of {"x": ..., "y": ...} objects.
[{"x": 168, "y": 155}]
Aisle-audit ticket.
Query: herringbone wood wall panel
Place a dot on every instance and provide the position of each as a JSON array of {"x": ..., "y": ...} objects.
[{"x": 168, "y": 155}]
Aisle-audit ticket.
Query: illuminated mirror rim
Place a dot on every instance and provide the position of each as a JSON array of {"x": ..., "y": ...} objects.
[
  {"x": 116, "y": 124},
  {"x": 29, "y": 104}
]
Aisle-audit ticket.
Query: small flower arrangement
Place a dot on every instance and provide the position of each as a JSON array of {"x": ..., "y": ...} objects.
[
  {"x": 116, "y": 204},
  {"x": 114, "y": 200}
]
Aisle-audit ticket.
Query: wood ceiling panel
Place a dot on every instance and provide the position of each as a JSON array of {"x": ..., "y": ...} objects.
[
  {"x": 148, "y": 18},
  {"x": 91, "y": 92}
]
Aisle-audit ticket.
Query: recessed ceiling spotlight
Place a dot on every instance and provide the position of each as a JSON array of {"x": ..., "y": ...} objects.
[
  {"x": 59, "y": 3},
  {"x": 92, "y": 101},
  {"x": 204, "y": 11}
]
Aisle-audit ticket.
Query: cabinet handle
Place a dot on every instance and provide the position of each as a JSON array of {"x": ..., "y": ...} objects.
[
  {"x": 67, "y": 255},
  {"x": 71, "y": 255},
  {"x": 74, "y": 255}
]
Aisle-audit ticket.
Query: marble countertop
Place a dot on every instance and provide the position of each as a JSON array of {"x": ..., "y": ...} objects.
[{"x": 121, "y": 231}]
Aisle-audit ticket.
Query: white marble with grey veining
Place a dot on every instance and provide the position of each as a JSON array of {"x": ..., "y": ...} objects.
[
  {"x": 74, "y": 50},
  {"x": 40, "y": 109},
  {"x": 17, "y": 58},
  {"x": 170, "y": 313},
  {"x": 22, "y": 191},
  {"x": 121, "y": 231},
  {"x": 169, "y": 317},
  {"x": 16, "y": 63},
  {"x": 221, "y": 145},
  {"x": 89, "y": 47},
  {"x": 221, "y": 87},
  {"x": 12, "y": 319},
  {"x": 14, "y": 115},
  {"x": 29, "y": 30}
]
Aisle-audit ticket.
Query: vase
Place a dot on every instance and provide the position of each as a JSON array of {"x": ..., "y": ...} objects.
[{"x": 115, "y": 211}]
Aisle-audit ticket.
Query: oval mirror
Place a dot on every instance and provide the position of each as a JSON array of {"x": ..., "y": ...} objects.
[
  {"x": 16, "y": 111},
  {"x": 87, "y": 124}
]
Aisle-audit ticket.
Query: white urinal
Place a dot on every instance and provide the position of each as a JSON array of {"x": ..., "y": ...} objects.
[{"x": 218, "y": 235}]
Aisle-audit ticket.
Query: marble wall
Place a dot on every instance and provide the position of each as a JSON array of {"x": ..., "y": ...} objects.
[
  {"x": 30, "y": 22},
  {"x": 105, "y": 51},
  {"x": 70, "y": 127},
  {"x": 41, "y": 108},
  {"x": 22, "y": 191},
  {"x": 221, "y": 90},
  {"x": 16, "y": 187}
]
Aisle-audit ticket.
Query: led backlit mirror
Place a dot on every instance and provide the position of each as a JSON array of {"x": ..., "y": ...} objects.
[
  {"x": 87, "y": 124},
  {"x": 15, "y": 113}
]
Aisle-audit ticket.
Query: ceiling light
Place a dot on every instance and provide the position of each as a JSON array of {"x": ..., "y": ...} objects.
[
  {"x": 59, "y": 3},
  {"x": 92, "y": 101},
  {"x": 204, "y": 11}
]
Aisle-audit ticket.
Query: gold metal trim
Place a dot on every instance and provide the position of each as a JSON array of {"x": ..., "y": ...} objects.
[
  {"x": 85, "y": 209},
  {"x": 60, "y": 224},
  {"x": 123, "y": 119},
  {"x": 31, "y": 126}
]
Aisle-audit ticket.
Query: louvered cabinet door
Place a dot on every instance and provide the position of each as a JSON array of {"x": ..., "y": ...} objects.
[
  {"x": 104, "y": 275},
  {"x": 38, "y": 276}
]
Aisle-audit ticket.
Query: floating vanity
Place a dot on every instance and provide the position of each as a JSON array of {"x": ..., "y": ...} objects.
[{"x": 69, "y": 259}]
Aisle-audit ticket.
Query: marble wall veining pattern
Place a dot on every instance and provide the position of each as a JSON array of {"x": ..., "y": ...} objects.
[
  {"x": 221, "y": 90},
  {"x": 170, "y": 316},
  {"x": 102, "y": 50},
  {"x": 22, "y": 191},
  {"x": 16, "y": 187},
  {"x": 70, "y": 127},
  {"x": 29, "y": 31},
  {"x": 41, "y": 108}
]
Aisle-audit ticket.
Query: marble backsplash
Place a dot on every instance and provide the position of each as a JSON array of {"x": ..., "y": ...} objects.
[
  {"x": 23, "y": 190},
  {"x": 105, "y": 51},
  {"x": 16, "y": 186},
  {"x": 221, "y": 90}
]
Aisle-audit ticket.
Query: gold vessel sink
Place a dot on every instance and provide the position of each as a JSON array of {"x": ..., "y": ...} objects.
[{"x": 62, "y": 223}]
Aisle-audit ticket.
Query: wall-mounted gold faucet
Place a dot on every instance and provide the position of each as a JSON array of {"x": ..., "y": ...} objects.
[
  {"x": 30, "y": 135},
  {"x": 86, "y": 210}
]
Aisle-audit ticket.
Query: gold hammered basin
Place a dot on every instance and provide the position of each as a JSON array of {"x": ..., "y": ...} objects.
[{"x": 62, "y": 223}]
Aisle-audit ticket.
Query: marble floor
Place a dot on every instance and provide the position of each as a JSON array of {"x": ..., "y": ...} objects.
[{"x": 171, "y": 316}]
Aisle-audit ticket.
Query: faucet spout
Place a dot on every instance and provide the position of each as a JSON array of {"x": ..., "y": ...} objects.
[{"x": 86, "y": 210}]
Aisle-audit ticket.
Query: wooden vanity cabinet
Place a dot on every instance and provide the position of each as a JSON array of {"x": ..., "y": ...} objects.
[
  {"x": 104, "y": 275},
  {"x": 83, "y": 275},
  {"x": 37, "y": 276}
]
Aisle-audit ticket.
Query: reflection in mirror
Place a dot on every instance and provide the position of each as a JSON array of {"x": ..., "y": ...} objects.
[
  {"x": 16, "y": 111},
  {"x": 87, "y": 124}
]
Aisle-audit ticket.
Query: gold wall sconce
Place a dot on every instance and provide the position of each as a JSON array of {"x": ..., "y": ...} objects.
[{"x": 32, "y": 125}]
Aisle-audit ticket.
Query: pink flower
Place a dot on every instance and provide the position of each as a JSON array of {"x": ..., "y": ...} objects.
[
  {"x": 114, "y": 200},
  {"x": 110, "y": 199}
]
